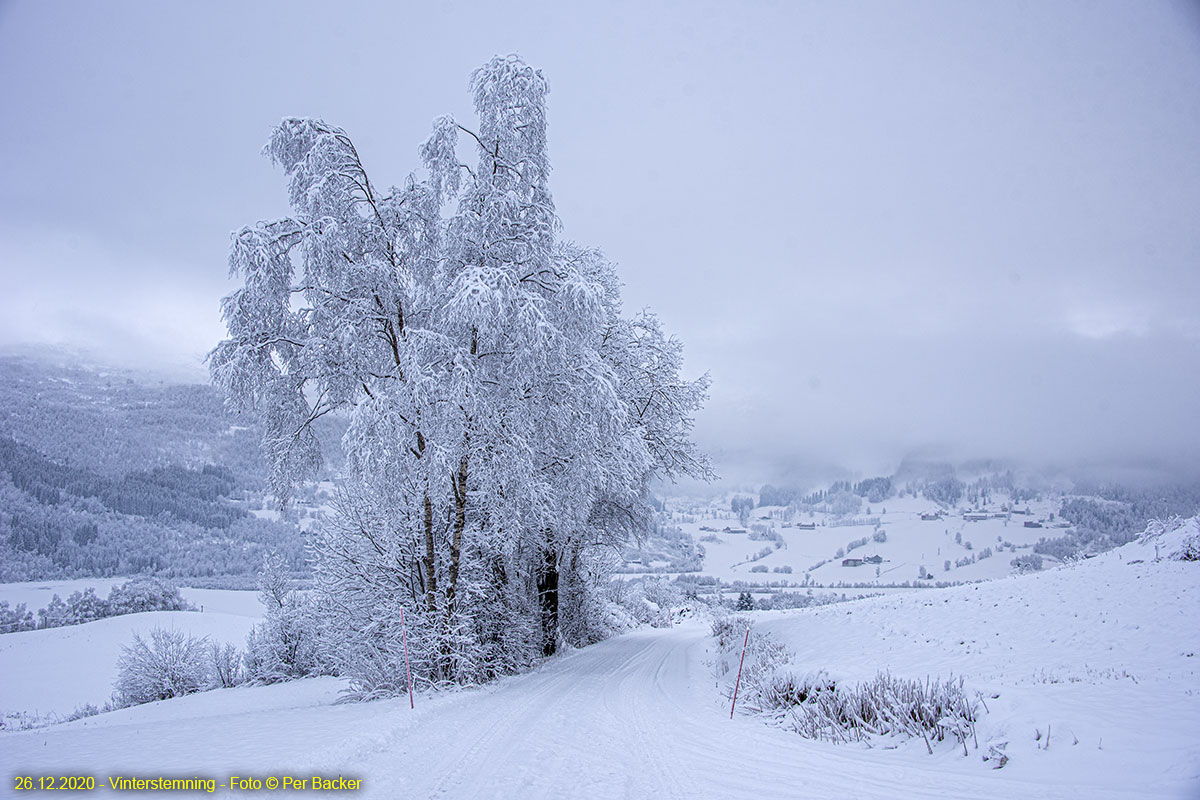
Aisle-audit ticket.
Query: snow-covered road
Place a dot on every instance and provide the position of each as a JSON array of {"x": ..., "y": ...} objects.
[{"x": 638, "y": 716}]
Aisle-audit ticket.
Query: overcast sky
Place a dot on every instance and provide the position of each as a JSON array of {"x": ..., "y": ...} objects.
[{"x": 972, "y": 227}]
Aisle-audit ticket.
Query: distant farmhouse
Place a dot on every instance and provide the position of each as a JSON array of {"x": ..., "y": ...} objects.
[
  {"x": 806, "y": 526},
  {"x": 976, "y": 516},
  {"x": 931, "y": 517},
  {"x": 852, "y": 562},
  {"x": 1031, "y": 524}
]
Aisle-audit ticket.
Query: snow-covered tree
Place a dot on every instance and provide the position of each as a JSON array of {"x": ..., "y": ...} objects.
[
  {"x": 505, "y": 417},
  {"x": 171, "y": 664},
  {"x": 286, "y": 643}
]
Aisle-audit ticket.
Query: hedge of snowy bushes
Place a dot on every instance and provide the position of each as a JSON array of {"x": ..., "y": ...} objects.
[{"x": 818, "y": 707}]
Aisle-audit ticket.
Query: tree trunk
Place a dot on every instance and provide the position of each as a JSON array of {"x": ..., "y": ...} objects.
[
  {"x": 430, "y": 551},
  {"x": 548, "y": 597},
  {"x": 430, "y": 558},
  {"x": 459, "y": 482}
]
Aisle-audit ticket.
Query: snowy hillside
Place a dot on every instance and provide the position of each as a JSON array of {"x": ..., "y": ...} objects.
[
  {"x": 56, "y": 670},
  {"x": 1099, "y": 658},
  {"x": 977, "y": 549},
  {"x": 1090, "y": 672}
]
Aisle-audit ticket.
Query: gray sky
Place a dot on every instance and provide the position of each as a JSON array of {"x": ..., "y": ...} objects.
[{"x": 879, "y": 226}]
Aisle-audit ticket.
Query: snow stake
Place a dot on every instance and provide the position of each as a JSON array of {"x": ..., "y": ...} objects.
[
  {"x": 738, "y": 683},
  {"x": 407, "y": 673}
]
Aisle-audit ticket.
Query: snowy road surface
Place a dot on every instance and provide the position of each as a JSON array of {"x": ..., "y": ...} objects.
[{"x": 633, "y": 717}]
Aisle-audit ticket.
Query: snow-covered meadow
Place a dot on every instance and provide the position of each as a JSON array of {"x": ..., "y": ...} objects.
[
  {"x": 51, "y": 672},
  {"x": 1089, "y": 672},
  {"x": 732, "y": 550}
]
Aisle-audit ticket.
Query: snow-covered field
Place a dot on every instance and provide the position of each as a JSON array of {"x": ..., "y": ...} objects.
[
  {"x": 911, "y": 543},
  {"x": 37, "y": 594},
  {"x": 1103, "y": 655},
  {"x": 55, "y": 670}
]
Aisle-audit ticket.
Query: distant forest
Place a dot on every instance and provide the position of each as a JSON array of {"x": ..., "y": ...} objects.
[
  {"x": 1116, "y": 517},
  {"x": 101, "y": 475}
]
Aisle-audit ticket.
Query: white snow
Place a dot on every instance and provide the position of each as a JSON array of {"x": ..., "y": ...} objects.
[
  {"x": 642, "y": 716},
  {"x": 55, "y": 670},
  {"x": 1105, "y": 654},
  {"x": 37, "y": 594},
  {"x": 911, "y": 543}
]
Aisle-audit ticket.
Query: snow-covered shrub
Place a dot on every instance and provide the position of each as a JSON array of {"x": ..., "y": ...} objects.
[
  {"x": 133, "y": 596},
  {"x": 86, "y": 606},
  {"x": 1029, "y": 563},
  {"x": 648, "y": 601},
  {"x": 54, "y": 614},
  {"x": 887, "y": 705},
  {"x": 779, "y": 691},
  {"x": 86, "y": 710},
  {"x": 591, "y": 611},
  {"x": 764, "y": 658},
  {"x": 21, "y": 721},
  {"x": 1190, "y": 551},
  {"x": 286, "y": 644},
  {"x": 785, "y": 569},
  {"x": 759, "y": 568},
  {"x": 783, "y": 600},
  {"x": 171, "y": 664},
  {"x": 856, "y": 543},
  {"x": 224, "y": 665},
  {"x": 728, "y": 631},
  {"x": 1189, "y": 543},
  {"x": 879, "y": 535},
  {"x": 15, "y": 619},
  {"x": 145, "y": 594},
  {"x": 817, "y": 707},
  {"x": 662, "y": 592},
  {"x": 766, "y": 551}
]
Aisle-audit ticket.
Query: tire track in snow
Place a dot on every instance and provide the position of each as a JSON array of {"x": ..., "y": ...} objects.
[{"x": 513, "y": 722}]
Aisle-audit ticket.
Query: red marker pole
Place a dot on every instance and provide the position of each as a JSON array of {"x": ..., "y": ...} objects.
[
  {"x": 407, "y": 673},
  {"x": 745, "y": 642}
]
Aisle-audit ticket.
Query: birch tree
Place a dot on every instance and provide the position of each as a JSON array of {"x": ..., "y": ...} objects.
[{"x": 505, "y": 418}]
